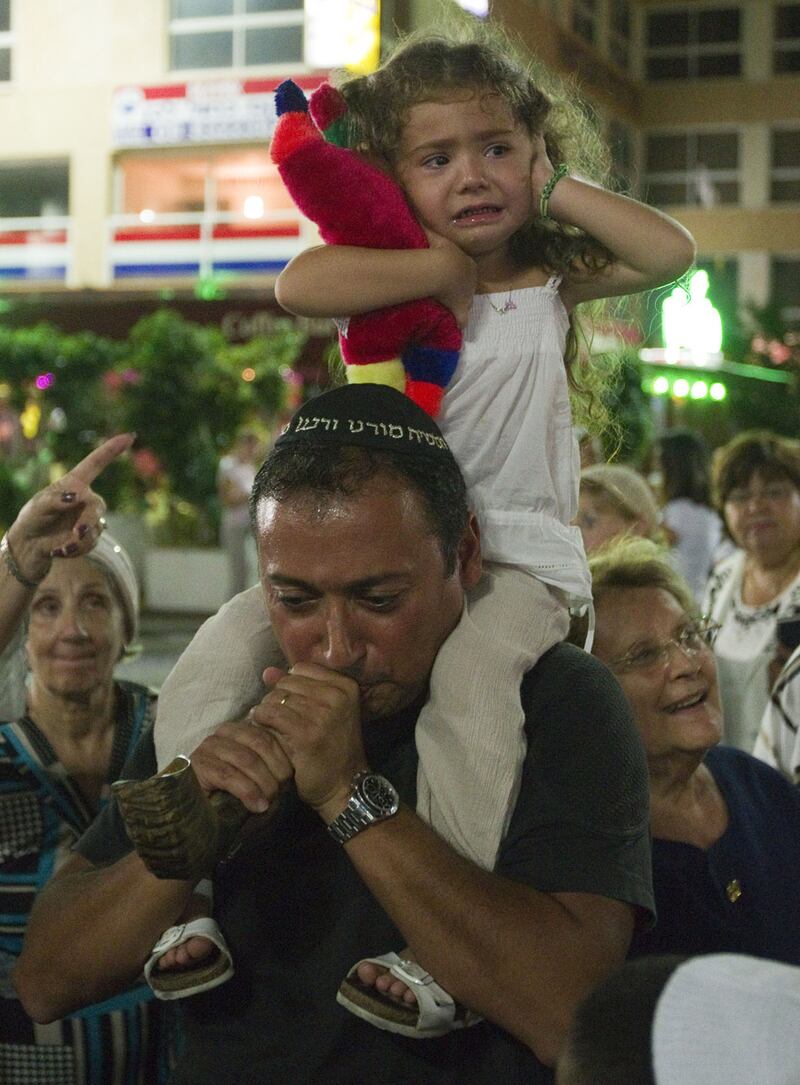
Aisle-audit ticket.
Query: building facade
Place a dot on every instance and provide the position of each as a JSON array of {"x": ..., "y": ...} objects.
[
  {"x": 135, "y": 166},
  {"x": 701, "y": 99}
]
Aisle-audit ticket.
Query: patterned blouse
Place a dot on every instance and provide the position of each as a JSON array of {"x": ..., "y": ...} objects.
[
  {"x": 744, "y": 647},
  {"x": 42, "y": 814}
]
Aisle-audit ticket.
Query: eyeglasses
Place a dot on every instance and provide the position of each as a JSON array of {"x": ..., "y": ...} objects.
[{"x": 693, "y": 638}]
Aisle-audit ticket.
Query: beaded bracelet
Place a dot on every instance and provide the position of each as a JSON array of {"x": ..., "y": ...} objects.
[
  {"x": 547, "y": 191},
  {"x": 13, "y": 568}
]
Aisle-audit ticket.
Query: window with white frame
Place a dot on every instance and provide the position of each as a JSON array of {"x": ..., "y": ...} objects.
[
  {"x": 786, "y": 57},
  {"x": 235, "y": 33},
  {"x": 238, "y": 183},
  {"x": 785, "y": 164},
  {"x": 699, "y": 167},
  {"x": 619, "y": 33},
  {"x": 584, "y": 19},
  {"x": 693, "y": 43},
  {"x": 6, "y": 41},
  {"x": 785, "y": 287}
]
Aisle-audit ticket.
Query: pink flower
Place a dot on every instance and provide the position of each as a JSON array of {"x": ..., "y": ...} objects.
[
  {"x": 112, "y": 381},
  {"x": 146, "y": 464},
  {"x": 779, "y": 352}
]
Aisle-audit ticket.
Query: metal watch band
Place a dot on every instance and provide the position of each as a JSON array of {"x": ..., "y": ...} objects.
[
  {"x": 360, "y": 813},
  {"x": 347, "y": 825}
]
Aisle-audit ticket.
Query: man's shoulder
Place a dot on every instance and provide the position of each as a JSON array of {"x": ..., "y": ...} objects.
[
  {"x": 565, "y": 668},
  {"x": 577, "y": 715}
]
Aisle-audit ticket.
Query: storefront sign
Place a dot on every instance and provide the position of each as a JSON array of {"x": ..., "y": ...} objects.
[
  {"x": 238, "y": 326},
  {"x": 214, "y": 111}
]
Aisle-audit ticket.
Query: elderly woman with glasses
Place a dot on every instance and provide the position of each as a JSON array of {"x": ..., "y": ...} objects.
[
  {"x": 756, "y": 485},
  {"x": 725, "y": 826}
]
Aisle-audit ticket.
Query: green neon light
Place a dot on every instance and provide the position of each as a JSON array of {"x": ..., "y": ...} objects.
[
  {"x": 683, "y": 388},
  {"x": 688, "y": 319},
  {"x": 760, "y": 372},
  {"x": 661, "y": 386}
]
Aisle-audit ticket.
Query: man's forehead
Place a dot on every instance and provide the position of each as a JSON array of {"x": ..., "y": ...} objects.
[
  {"x": 338, "y": 542},
  {"x": 377, "y": 498}
]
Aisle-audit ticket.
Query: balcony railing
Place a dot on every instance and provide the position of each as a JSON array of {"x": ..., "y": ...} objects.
[
  {"x": 203, "y": 245},
  {"x": 36, "y": 249}
]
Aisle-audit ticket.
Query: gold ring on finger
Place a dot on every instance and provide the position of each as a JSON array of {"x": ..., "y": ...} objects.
[{"x": 284, "y": 699}]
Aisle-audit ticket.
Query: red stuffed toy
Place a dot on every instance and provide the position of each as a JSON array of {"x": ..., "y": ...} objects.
[{"x": 414, "y": 346}]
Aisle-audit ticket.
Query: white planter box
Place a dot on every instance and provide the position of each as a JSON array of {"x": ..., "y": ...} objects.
[
  {"x": 131, "y": 530},
  {"x": 185, "y": 580}
]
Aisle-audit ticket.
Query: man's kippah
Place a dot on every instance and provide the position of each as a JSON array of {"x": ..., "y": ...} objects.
[{"x": 367, "y": 415}]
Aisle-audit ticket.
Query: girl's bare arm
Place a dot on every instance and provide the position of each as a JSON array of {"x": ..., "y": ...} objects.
[
  {"x": 649, "y": 248},
  {"x": 344, "y": 280}
]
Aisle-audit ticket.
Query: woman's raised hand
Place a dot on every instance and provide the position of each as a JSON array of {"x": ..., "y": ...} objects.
[{"x": 64, "y": 519}]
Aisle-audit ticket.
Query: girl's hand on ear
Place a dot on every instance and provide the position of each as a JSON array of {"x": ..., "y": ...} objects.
[{"x": 541, "y": 168}]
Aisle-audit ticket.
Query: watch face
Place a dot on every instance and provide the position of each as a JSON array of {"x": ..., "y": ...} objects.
[{"x": 379, "y": 794}]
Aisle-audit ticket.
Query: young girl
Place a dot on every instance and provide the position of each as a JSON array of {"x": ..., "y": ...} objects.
[{"x": 515, "y": 243}]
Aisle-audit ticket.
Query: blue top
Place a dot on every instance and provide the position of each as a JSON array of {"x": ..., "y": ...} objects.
[
  {"x": 42, "y": 814},
  {"x": 742, "y": 895}
]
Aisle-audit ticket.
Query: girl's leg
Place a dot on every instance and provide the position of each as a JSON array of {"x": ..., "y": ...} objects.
[
  {"x": 192, "y": 956},
  {"x": 471, "y": 733},
  {"x": 218, "y": 677}
]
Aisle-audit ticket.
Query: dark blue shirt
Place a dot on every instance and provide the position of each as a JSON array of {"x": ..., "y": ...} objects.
[{"x": 742, "y": 895}]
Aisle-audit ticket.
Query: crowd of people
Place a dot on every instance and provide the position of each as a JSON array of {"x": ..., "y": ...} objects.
[{"x": 506, "y": 813}]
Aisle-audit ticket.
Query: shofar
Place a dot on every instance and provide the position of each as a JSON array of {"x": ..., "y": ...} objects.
[{"x": 178, "y": 830}]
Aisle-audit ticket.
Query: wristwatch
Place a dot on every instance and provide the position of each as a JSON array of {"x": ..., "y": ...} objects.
[{"x": 373, "y": 799}]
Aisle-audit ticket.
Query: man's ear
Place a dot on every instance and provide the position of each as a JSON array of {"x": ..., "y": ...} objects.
[{"x": 469, "y": 560}]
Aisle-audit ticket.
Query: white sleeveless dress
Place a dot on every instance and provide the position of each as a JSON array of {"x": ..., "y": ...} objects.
[{"x": 506, "y": 416}]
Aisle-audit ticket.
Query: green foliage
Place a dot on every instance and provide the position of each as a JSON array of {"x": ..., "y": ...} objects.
[
  {"x": 24, "y": 354},
  {"x": 173, "y": 360},
  {"x": 78, "y": 391},
  {"x": 268, "y": 357},
  {"x": 177, "y": 384},
  {"x": 12, "y": 495}
]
